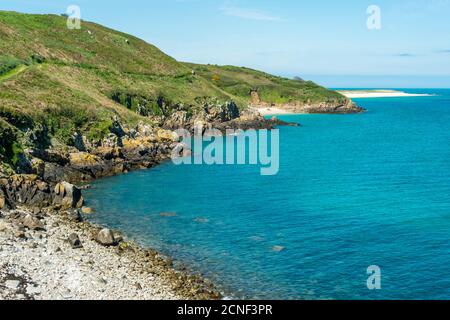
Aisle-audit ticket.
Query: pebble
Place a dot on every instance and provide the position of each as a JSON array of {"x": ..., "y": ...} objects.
[
  {"x": 49, "y": 273},
  {"x": 12, "y": 284}
]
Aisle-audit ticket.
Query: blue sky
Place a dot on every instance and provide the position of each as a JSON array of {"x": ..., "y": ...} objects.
[{"x": 323, "y": 40}]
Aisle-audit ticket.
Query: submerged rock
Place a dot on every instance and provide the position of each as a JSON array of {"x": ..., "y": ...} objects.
[
  {"x": 278, "y": 248},
  {"x": 168, "y": 214},
  {"x": 86, "y": 210}
]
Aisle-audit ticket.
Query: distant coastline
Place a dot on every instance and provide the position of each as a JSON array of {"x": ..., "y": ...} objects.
[{"x": 379, "y": 94}]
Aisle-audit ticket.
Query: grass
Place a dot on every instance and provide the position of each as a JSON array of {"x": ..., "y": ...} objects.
[
  {"x": 239, "y": 82},
  {"x": 12, "y": 72}
]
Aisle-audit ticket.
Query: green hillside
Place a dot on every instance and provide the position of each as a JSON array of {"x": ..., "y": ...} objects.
[
  {"x": 240, "y": 81},
  {"x": 55, "y": 81}
]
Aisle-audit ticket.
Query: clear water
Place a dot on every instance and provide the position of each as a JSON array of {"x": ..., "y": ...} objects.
[{"x": 352, "y": 191}]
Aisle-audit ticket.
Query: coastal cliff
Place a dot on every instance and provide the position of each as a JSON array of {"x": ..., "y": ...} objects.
[
  {"x": 77, "y": 105},
  {"x": 102, "y": 92}
]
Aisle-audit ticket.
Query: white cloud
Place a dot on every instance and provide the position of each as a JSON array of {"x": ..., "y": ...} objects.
[{"x": 250, "y": 14}]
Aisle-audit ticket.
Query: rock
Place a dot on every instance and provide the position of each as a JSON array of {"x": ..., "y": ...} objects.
[
  {"x": 167, "y": 135},
  {"x": 118, "y": 238},
  {"x": 108, "y": 153},
  {"x": 75, "y": 215},
  {"x": 32, "y": 290},
  {"x": 278, "y": 248},
  {"x": 116, "y": 127},
  {"x": 38, "y": 167},
  {"x": 3, "y": 226},
  {"x": 106, "y": 237},
  {"x": 12, "y": 284},
  {"x": 86, "y": 210},
  {"x": 19, "y": 234},
  {"x": 78, "y": 142},
  {"x": 74, "y": 241},
  {"x": 111, "y": 141},
  {"x": 168, "y": 214},
  {"x": 201, "y": 220},
  {"x": 32, "y": 223},
  {"x": 2, "y": 201},
  {"x": 67, "y": 196},
  {"x": 177, "y": 120}
]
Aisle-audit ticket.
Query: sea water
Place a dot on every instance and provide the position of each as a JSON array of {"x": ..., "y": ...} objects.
[{"x": 353, "y": 191}]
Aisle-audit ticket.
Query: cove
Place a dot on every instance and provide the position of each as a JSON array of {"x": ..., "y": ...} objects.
[{"x": 352, "y": 191}]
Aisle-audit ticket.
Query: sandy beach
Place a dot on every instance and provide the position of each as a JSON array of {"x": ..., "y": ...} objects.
[
  {"x": 269, "y": 111},
  {"x": 378, "y": 94}
]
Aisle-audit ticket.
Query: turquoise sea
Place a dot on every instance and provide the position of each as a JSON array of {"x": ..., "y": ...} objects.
[{"x": 352, "y": 191}]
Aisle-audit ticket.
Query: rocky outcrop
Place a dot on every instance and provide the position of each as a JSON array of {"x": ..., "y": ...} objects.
[
  {"x": 341, "y": 105},
  {"x": 25, "y": 189},
  {"x": 29, "y": 190}
]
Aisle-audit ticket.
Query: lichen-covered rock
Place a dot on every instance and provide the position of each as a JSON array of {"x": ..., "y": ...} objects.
[
  {"x": 67, "y": 196},
  {"x": 177, "y": 120},
  {"x": 167, "y": 135},
  {"x": 38, "y": 167},
  {"x": 108, "y": 153},
  {"x": 83, "y": 159}
]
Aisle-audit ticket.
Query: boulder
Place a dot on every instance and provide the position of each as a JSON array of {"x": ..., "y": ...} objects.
[
  {"x": 116, "y": 128},
  {"x": 3, "y": 226},
  {"x": 32, "y": 223},
  {"x": 67, "y": 196},
  {"x": 74, "y": 241},
  {"x": 78, "y": 142},
  {"x": 106, "y": 237}
]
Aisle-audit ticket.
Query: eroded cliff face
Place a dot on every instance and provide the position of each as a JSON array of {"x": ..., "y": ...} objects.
[{"x": 126, "y": 147}]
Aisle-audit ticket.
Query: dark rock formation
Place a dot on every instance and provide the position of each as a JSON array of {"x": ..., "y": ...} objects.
[
  {"x": 29, "y": 190},
  {"x": 74, "y": 241}
]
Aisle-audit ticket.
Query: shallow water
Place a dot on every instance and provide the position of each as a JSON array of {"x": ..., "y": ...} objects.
[{"x": 352, "y": 191}]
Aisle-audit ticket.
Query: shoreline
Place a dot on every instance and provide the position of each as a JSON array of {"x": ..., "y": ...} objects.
[
  {"x": 53, "y": 206},
  {"x": 361, "y": 94},
  {"x": 43, "y": 264}
]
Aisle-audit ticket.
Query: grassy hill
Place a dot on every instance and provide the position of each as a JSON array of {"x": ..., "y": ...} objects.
[
  {"x": 55, "y": 81},
  {"x": 240, "y": 81}
]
